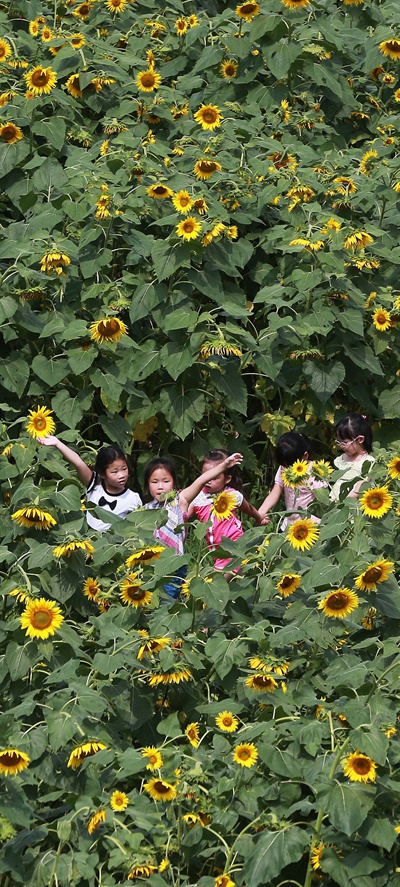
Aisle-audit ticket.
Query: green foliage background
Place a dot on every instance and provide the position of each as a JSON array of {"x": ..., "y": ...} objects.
[{"x": 301, "y": 113}]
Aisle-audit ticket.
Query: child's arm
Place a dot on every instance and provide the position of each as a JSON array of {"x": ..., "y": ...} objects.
[
  {"x": 271, "y": 500},
  {"x": 83, "y": 471},
  {"x": 186, "y": 496},
  {"x": 249, "y": 509}
]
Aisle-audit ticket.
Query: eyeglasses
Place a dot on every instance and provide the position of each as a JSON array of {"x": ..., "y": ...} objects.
[{"x": 346, "y": 443}]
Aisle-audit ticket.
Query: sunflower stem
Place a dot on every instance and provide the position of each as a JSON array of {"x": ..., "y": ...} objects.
[{"x": 321, "y": 813}]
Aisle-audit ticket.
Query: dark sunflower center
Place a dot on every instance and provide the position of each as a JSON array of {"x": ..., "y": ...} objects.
[
  {"x": 301, "y": 533},
  {"x": 8, "y": 132},
  {"x": 40, "y": 78},
  {"x": 161, "y": 787},
  {"x": 39, "y": 423},
  {"x": 108, "y": 327},
  {"x": 210, "y": 116},
  {"x": 148, "y": 79},
  {"x": 286, "y": 582},
  {"x": 361, "y": 766},
  {"x": 248, "y": 8},
  {"x": 134, "y": 593},
  {"x": 42, "y": 619},
  {"x": 184, "y": 201},
  {"x": 244, "y": 754},
  {"x": 373, "y": 574},
  {"x": 160, "y": 190},
  {"x": 375, "y": 501},
  {"x": 188, "y": 227},
  {"x": 338, "y": 601},
  {"x": 227, "y": 722}
]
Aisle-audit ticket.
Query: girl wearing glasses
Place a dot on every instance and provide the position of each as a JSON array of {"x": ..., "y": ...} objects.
[{"x": 354, "y": 437}]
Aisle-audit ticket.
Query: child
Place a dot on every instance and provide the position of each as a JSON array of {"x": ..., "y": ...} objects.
[
  {"x": 354, "y": 437},
  {"x": 160, "y": 480},
  {"x": 106, "y": 485},
  {"x": 292, "y": 447},
  {"x": 226, "y": 478}
]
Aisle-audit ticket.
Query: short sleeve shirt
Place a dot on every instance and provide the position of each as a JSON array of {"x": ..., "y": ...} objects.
[
  {"x": 230, "y": 527},
  {"x": 301, "y": 497},
  {"x": 173, "y": 533},
  {"x": 351, "y": 471},
  {"x": 119, "y": 504}
]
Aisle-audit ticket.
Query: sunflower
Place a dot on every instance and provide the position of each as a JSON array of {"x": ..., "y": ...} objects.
[
  {"x": 119, "y": 801},
  {"x": 359, "y": 768},
  {"x": 133, "y": 594},
  {"x": 223, "y": 881},
  {"x": 192, "y": 733},
  {"x": 6, "y": 97},
  {"x": 34, "y": 27},
  {"x": 159, "y": 191},
  {"x": 153, "y": 645},
  {"x": 377, "y": 572},
  {"x": 30, "y": 516},
  {"x": 394, "y": 468},
  {"x": 148, "y": 81},
  {"x": 188, "y": 229},
  {"x": 248, "y": 10},
  {"x": 108, "y": 329},
  {"x": 154, "y": 758},
  {"x": 201, "y": 206},
  {"x": 265, "y": 683},
  {"x": 142, "y": 871},
  {"x": 40, "y": 81},
  {"x": 91, "y": 588},
  {"x": 171, "y": 677},
  {"x": 302, "y": 534},
  {"x": 223, "y": 505},
  {"x": 376, "y": 502},
  {"x": 296, "y": 4},
  {"x": 160, "y": 790},
  {"x": 390, "y": 48},
  {"x": 76, "y": 545},
  {"x": 294, "y": 475},
  {"x": 40, "y": 422},
  {"x": 10, "y": 133},
  {"x": 228, "y": 69},
  {"x": 82, "y": 11},
  {"x": 182, "y": 201},
  {"x": 12, "y": 761},
  {"x": 288, "y": 584},
  {"x": 41, "y": 618},
  {"x": 381, "y": 319},
  {"x": 321, "y": 469},
  {"x": 181, "y": 26},
  {"x": 116, "y": 5},
  {"x": 245, "y": 754},
  {"x": 77, "y": 40},
  {"x": 46, "y": 34},
  {"x": 5, "y": 49},
  {"x": 81, "y": 752},
  {"x": 339, "y": 603},
  {"x": 54, "y": 262},
  {"x": 144, "y": 555},
  {"x": 367, "y": 162},
  {"x": 208, "y": 116},
  {"x": 358, "y": 240},
  {"x": 227, "y": 722},
  {"x": 204, "y": 168},
  {"x": 96, "y": 820},
  {"x": 316, "y": 855}
]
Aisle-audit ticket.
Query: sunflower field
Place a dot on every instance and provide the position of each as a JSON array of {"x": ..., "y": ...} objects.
[{"x": 199, "y": 207}]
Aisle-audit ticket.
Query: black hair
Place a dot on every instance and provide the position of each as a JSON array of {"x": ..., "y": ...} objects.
[
  {"x": 355, "y": 425},
  {"x": 106, "y": 456},
  {"x": 160, "y": 462},
  {"x": 292, "y": 446},
  {"x": 233, "y": 473}
]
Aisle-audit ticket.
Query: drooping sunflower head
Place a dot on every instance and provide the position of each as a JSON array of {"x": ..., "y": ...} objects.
[
  {"x": 40, "y": 422},
  {"x": 96, "y": 820},
  {"x": 142, "y": 871},
  {"x": 377, "y": 572},
  {"x": 73, "y": 87},
  {"x": 170, "y": 677},
  {"x": 208, "y": 116},
  {"x": 264, "y": 683},
  {"x": 339, "y": 603},
  {"x": 12, "y": 761},
  {"x": 302, "y": 534},
  {"x": 321, "y": 469},
  {"x": 119, "y": 800},
  {"x": 159, "y": 191},
  {"x": 152, "y": 646},
  {"x": 160, "y": 790},
  {"x": 41, "y": 618},
  {"x": 359, "y": 768},
  {"x": 227, "y": 722},
  {"x": 148, "y": 81},
  {"x": 10, "y": 133},
  {"x": 204, "y": 168},
  {"x": 390, "y": 48},
  {"x": 245, "y": 754},
  {"x": 247, "y": 11},
  {"x": 109, "y": 329},
  {"x": 81, "y": 752},
  {"x": 144, "y": 555},
  {"x": 376, "y": 502},
  {"x": 82, "y": 11},
  {"x": 31, "y": 516},
  {"x": 68, "y": 548},
  {"x": 288, "y": 583},
  {"x": 54, "y": 262}
]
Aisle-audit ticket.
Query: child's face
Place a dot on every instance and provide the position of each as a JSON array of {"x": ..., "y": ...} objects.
[
  {"x": 116, "y": 476},
  {"x": 351, "y": 446},
  {"x": 160, "y": 482},
  {"x": 217, "y": 484}
]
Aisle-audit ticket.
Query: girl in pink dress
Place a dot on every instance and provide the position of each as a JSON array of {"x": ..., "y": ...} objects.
[
  {"x": 292, "y": 447},
  {"x": 202, "y": 507}
]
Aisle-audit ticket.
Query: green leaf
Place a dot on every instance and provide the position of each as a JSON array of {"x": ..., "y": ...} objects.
[
  {"x": 50, "y": 176},
  {"x": 347, "y": 806},
  {"x": 389, "y": 402},
  {"x": 183, "y": 409},
  {"x": 14, "y": 374},
  {"x": 50, "y": 371},
  {"x": 324, "y": 380},
  {"x": 280, "y": 58},
  {"x": 273, "y": 852},
  {"x": 53, "y": 130}
]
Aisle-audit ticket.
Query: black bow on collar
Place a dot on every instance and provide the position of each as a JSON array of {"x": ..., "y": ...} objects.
[{"x": 106, "y": 504}]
